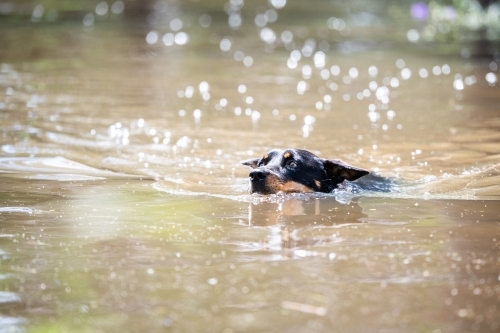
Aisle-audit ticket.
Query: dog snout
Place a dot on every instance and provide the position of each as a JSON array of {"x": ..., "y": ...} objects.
[{"x": 258, "y": 175}]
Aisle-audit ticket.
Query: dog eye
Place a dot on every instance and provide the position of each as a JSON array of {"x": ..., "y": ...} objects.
[{"x": 292, "y": 164}]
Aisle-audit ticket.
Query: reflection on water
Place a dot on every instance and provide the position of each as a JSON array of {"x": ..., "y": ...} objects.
[{"x": 123, "y": 206}]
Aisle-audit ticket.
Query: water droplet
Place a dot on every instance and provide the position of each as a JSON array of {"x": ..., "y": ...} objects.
[
  {"x": 287, "y": 36},
  {"x": 309, "y": 120},
  {"x": 306, "y": 72},
  {"x": 458, "y": 84},
  {"x": 400, "y": 63},
  {"x": 308, "y": 48},
  {"x": 248, "y": 61},
  {"x": 225, "y": 44},
  {"x": 239, "y": 55},
  {"x": 395, "y": 82},
  {"x": 101, "y": 8},
  {"x": 260, "y": 20},
  {"x": 152, "y": 37},
  {"x": 234, "y": 20},
  {"x": 181, "y": 38},
  {"x": 271, "y": 15},
  {"x": 353, "y": 72},
  {"x": 301, "y": 87},
  {"x": 391, "y": 114},
  {"x": 37, "y": 13},
  {"x": 197, "y": 115},
  {"x": 203, "y": 87},
  {"x": 268, "y": 35},
  {"x": 335, "y": 70},
  {"x": 423, "y": 73},
  {"x": 413, "y": 35},
  {"x": 88, "y": 20},
  {"x": 117, "y": 7},
  {"x": 168, "y": 39},
  {"x": 205, "y": 20},
  {"x": 319, "y": 59},
  {"x": 325, "y": 74},
  {"x": 188, "y": 93},
  {"x": 278, "y": 4},
  {"x": 255, "y": 116},
  {"x": 291, "y": 63},
  {"x": 176, "y": 24},
  {"x": 445, "y": 69},
  {"x": 372, "y": 71},
  {"x": 405, "y": 73},
  {"x": 491, "y": 78}
]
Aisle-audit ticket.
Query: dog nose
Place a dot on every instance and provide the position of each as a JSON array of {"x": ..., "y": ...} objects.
[{"x": 257, "y": 175}]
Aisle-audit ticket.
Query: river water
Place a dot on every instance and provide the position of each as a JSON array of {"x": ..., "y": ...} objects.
[{"x": 124, "y": 208}]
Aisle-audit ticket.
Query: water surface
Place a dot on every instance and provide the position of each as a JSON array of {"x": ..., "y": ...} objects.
[{"x": 123, "y": 205}]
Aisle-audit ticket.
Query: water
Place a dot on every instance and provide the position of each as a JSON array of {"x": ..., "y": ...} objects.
[{"x": 123, "y": 205}]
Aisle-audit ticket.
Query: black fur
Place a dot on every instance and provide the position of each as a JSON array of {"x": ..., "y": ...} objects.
[{"x": 298, "y": 170}]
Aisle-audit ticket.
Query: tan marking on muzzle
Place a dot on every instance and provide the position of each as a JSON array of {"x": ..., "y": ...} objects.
[
  {"x": 293, "y": 187},
  {"x": 272, "y": 184}
]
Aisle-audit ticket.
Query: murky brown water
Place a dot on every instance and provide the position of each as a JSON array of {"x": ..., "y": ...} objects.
[{"x": 123, "y": 205}]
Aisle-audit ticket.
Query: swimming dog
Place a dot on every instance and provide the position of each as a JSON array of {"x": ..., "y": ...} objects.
[{"x": 298, "y": 171}]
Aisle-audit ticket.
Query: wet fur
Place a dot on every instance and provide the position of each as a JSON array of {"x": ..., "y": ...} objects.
[{"x": 298, "y": 170}]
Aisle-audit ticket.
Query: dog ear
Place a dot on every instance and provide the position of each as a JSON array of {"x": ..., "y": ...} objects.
[
  {"x": 339, "y": 171},
  {"x": 251, "y": 163}
]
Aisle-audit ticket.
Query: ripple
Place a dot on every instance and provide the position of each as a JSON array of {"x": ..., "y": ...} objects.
[
  {"x": 9, "y": 297},
  {"x": 9, "y": 324},
  {"x": 462, "y": 187},
  {"x": 24, "y": 210},
  {"x": 161, "y": 187},
  {"x": 54, "y": 168}
]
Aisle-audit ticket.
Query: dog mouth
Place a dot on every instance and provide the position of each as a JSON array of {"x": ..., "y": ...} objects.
[
  {"x": 271, "y": 184},
  {"x": 261, "y": 188}
]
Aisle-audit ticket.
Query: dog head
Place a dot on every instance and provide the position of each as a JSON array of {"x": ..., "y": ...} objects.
[{"x": 298, "y": 170}]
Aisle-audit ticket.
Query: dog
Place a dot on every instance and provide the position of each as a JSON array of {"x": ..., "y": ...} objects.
[{"x": 298, "y": 171}]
